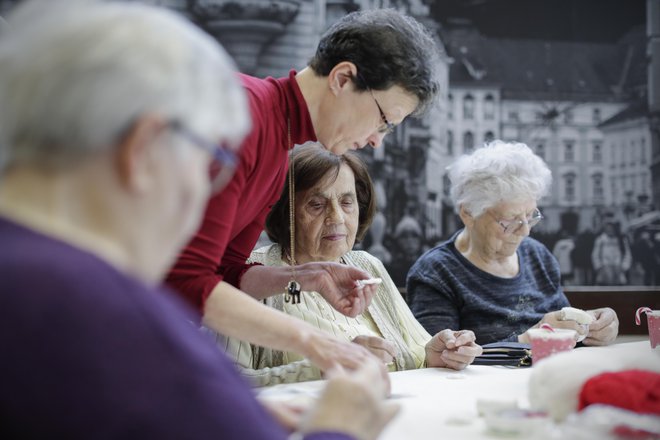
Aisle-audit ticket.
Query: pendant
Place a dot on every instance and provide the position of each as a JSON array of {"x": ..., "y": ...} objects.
[{"x": 292, "y": 294}]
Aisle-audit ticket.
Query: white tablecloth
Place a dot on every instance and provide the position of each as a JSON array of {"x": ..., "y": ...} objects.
[
  {"x": 435, "y": 403},
  {"x": 441, "y": 403}
]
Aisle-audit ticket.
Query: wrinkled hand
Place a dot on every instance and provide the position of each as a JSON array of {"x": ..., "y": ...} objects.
[
  {"x": 554, "y": 320},
  {"x": 353, "y": 403},
  {"x": 337, "y": 284},
  {"x": 381, "y": 348},
  {"x": 452, "y": 349},
  {"x": 328, "y": 352},
  {"x": 289, "y": 416},
  {"x": 604, "y": 329}
]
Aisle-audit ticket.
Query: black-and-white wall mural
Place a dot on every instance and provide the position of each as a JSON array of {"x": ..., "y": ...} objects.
[{"x": 579, "y": 87}]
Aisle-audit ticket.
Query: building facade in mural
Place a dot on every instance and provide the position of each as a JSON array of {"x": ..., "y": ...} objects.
[
  {"x": 591, "y": 110},
  {"x": 583, "y": 108}
]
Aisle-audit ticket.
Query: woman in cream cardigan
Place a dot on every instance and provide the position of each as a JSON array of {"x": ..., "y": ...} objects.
[{"x": 334, "y": 204}]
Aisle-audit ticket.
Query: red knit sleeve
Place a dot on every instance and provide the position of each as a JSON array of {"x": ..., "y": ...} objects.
[
  {"x": 238, "y": 250},
  {"x": 197, "y": 270},
  {"x": 235, "y": 218}
]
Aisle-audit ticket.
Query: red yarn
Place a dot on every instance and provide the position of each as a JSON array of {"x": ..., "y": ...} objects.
[{"x": 634, "y": 390}]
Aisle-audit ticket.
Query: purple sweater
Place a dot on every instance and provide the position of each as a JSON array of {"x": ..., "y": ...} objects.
[{"x": 88, "y": 352}]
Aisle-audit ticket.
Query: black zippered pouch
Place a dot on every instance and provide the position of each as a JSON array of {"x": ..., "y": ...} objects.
[{"x": 511, "y": 354}]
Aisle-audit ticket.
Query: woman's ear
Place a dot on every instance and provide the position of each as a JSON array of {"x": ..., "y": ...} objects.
[
  {"x": 341, "y": 77},
  {"x": 134, "y": 153},
  {"x": 465, "y": 216}
]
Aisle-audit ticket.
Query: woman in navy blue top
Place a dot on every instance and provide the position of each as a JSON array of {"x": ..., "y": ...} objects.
[{"x": 491, "y": 277}]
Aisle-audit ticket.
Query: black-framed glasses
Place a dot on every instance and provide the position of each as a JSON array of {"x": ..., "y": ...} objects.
[
  {"x": 224, "y": 159},
  {"x": 388, "y": 126},
  {"x": 513, "y": 226}
]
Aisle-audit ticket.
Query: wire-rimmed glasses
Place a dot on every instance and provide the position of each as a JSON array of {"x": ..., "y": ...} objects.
[{"x": 513, "y": 226}]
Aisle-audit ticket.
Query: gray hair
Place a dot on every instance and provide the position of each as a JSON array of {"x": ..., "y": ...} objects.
[
  {"x": 497, "y": 172},
  {"x": 76, "y": 74}
]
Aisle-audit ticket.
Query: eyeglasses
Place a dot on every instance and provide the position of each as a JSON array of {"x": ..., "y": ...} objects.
[
  {"x": 513, "y": 226},
  {"x": 224, "y": 160},
  {"x": 388, "y": 127}
]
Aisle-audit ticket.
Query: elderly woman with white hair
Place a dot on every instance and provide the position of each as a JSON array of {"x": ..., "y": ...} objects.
[{"x": 491, "y": 277}]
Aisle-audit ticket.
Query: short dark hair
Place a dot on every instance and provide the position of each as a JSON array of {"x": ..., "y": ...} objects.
[
  {"x": 388, "y": 48},
  {"x": 312, "y": 163}
]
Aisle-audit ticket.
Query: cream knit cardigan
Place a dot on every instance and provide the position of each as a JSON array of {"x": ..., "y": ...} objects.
[{"x": 388, "y": 317}]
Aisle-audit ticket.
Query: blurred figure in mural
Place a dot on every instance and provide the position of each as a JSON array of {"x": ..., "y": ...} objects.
[
  {"x": 611, "y": 256},
  {"x": 378, "y": 226},
  {"x": 408, "y": 246},
  {"x": 563, "y": 251},
  {"x": 583, "y": 273},
  {"x": 644, "y": 256}
]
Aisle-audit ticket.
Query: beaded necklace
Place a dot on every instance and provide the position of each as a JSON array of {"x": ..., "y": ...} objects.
[{"x": 292, "y": 292}]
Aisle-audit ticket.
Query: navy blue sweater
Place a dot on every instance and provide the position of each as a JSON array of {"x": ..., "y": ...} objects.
[{"x": 445, "y": 290}]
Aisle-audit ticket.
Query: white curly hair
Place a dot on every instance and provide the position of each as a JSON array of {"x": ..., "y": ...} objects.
[{"x": 499, "y": 171}]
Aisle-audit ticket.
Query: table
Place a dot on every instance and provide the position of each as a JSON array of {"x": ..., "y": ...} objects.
[
  {"x": 439, "y": 403},
  {"x": 435, "y": 402}
]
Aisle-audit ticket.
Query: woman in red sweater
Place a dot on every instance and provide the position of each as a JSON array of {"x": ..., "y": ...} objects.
[{"x": 371, "y": 70}]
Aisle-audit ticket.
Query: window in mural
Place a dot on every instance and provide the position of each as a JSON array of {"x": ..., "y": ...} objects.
[
  {"x": 489, "y": 107},
  {"x": 597, "y": 152},
  {"x": 450, "y": 106},
  {"x": 540, "y": 149},
  {"x": 450, "y": 143},
  {"x": 598, "y": 192},
  {"x": 468, "y": 142},
  {"x": 569, "y": 187},
  {"x": 569, "y": 151},
  {"x": 468, "y": 107}
]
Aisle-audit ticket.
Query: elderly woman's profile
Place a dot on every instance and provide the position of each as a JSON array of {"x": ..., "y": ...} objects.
[
  {"x": 490, "y": 276},
  {"x": 334, "y": 205}
]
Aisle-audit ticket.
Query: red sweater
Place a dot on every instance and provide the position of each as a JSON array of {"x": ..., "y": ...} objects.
[{"x": 235, "y": 217}]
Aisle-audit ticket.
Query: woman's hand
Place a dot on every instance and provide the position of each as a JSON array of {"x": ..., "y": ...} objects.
[
  {"x": 289, "y": 416},
  {"x": 452, "y": 349},
  {"x": 354, "y": 403},
  {"x": 337, "y": 283},
  {"x": 330, "y": 353},
  {"x": 605, "y": 327},
  {"x": 554, "y": 319},
  {"x": 381, "y": 348}
]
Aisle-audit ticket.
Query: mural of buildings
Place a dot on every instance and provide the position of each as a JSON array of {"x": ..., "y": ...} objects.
[
  {"x": 653, "y": 72},
  {"x": 556, "y": 97},
  {"x": 590, "y": 109},
  {"x": 415, "y": 151}
]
